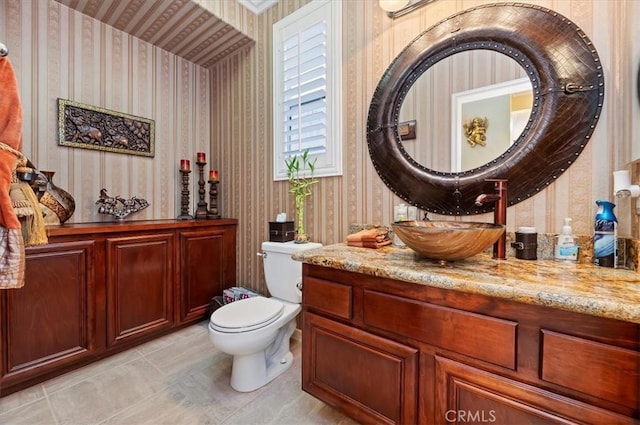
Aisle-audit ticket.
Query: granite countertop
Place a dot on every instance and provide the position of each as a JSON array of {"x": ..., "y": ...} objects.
[{"x": 582, "y": 288}]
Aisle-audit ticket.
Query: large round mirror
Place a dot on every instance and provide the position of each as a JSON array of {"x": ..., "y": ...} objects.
[
  {"x": 480, "y": 100},
  {"x": 566, "y": 91}
]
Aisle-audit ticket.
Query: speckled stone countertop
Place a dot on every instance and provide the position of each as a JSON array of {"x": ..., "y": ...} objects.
[{"x": 582, "y": 288}]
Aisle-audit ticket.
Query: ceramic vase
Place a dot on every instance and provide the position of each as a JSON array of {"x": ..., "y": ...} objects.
[{"x": 56, "y": 199}]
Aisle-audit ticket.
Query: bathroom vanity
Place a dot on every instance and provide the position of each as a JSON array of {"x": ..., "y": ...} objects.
[
  {"x": 98, "y": 288},
  {"x": 390, "y": 337}
]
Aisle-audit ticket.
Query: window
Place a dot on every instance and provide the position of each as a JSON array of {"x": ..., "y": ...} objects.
[{"x": 307, "y": 88}]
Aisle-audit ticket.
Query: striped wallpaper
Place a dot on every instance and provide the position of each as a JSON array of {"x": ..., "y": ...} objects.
[{"x": 225, "y": 111}]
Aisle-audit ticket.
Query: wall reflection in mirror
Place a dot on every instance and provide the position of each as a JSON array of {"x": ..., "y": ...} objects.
[{"x": 484, "y": 85}]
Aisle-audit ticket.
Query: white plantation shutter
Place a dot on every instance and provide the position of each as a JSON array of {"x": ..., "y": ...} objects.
[
  {"x": 306, "y": 88},
  {"x": 304, "y": 106}
]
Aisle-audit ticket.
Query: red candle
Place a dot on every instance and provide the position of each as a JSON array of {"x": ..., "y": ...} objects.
[
  {"x": 213, "y": 175},
  {"x": 185, "y": 165},
  {"x": 202, "y": 158}
]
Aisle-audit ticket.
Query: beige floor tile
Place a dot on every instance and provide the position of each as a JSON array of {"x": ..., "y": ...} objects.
[
  {"x": 283, "y": 402},
  {"x": 71, "y": 378},
  {"x": 170, "y": 407},
  {"x": 180, "y": 337},
  {"x": 208, "y": 388},
  {"x": 21, "y": 398},
  {"x": 179, "y": 379},
  {"x": 103, "y": 395},
  {"x": 175, "y": 357},
  {"x": 34, "y": 413}
]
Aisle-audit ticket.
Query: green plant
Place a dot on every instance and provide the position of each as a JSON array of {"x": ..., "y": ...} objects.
[{"x": 301, "y": 183}]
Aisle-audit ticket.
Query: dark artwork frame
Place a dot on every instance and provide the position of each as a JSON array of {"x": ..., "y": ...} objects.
[{"x": 91, "y": 127}]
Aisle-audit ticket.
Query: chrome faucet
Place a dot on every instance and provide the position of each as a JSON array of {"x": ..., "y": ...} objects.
[{"x": 499, "y": 213}]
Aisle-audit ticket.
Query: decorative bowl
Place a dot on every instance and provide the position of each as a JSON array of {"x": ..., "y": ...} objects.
[{"x": 447, "y": 240}]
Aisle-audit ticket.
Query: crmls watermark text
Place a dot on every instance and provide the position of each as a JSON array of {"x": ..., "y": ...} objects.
[{"x": 487, "y": 416}]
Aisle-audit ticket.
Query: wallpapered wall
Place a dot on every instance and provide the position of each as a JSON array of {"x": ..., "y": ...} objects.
[
  {"x": 241, "y": 100},
  {"x": 60, "y": 53},
  {"x": 226, "y": 112}
]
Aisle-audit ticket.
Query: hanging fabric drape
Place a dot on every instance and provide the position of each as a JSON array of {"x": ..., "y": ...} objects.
[{"x": 17, "y": 200}]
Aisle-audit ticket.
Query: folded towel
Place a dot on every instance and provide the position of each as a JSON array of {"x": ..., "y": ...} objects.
[
  {"x": 372, "y": 234},
  {"x": 380, "y": 238},
  {"x": 370, "y": 244}
]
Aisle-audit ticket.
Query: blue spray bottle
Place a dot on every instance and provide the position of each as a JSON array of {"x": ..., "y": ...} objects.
[{"x": 605, "y": 236}]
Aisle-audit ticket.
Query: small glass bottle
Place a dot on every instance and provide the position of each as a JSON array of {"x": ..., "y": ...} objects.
[
  {"x": 399, "y": 214},
  {"x": 566, "y": 244}
]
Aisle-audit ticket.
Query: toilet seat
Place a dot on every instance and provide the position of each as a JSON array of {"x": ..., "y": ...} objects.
[{"x": 246, "y": 315}]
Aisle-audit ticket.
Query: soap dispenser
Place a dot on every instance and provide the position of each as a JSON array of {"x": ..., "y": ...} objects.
[{"x": 566, "y": 248}]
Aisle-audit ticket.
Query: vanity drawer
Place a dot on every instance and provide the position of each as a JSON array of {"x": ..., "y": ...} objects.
[
  {"x": 328, "y": 297},
  {"x": 481, "y": 337},
  {"x": 605, "y": 371}
]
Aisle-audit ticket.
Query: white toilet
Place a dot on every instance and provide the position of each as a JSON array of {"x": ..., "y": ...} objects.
[{"x": 256, "y": 330}]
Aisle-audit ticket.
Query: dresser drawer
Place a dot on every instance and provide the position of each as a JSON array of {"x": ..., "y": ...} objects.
[
  {"x": 328, "y": 297},
  {"x": 481, "y": 337},
  {"x": 605, "y": 371}
]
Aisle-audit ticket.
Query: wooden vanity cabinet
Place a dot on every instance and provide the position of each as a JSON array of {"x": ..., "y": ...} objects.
[
  {"x": 99, "y": 288},
  {"x": 373, "y": 379},
  {"x": 461, "y": 357},
  {"x": 466, "y": 394}
]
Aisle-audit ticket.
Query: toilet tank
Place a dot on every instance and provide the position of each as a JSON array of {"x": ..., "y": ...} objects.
[{"x": 282, "y": 274}]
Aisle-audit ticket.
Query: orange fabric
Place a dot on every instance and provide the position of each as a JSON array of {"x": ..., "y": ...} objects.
[
  {"x": 12, "y": 255},
  {"x": 373, "y": 234},
  {"x": 370, "y": 244},
  {"x": 375, "y": 237},
  {"x": 11, "y": 135}
]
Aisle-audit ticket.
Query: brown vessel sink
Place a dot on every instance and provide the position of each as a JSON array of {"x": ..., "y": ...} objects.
[{"x": 447, "y": 240}]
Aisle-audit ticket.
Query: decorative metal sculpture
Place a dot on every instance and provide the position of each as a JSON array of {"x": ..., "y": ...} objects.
[{"x": 118, "y": 206}]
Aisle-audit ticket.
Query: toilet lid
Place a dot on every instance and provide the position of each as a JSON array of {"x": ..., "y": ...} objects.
[{"x": 247, "y": 314}]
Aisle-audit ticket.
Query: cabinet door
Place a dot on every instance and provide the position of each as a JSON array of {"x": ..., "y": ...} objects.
[
  {"x": 49, "y": 323},
  {"x": 207, "y": 267},
  {"x": 370, "y": 378},
  {"x": 139, "y": 286},
  {"x": 464, "y": 394}
]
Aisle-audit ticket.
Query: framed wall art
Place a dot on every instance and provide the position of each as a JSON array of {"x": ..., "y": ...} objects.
[{"x": 91, "y": 127}]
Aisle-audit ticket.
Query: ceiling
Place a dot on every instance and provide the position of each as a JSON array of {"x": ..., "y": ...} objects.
[{"x": 181, "y": 27}]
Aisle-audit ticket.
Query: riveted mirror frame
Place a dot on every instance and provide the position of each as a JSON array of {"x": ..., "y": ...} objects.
[{"x": 568, "y": 93}]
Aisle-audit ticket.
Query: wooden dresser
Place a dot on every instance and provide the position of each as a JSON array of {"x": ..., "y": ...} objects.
[{"x": 99, "y": 288}]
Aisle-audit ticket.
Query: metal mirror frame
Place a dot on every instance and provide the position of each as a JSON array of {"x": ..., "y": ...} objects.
[{"x": 568, "y": 88}]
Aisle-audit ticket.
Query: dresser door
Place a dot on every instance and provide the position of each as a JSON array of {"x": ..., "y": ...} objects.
[
  {"x": 207, "y": 267},
  {"x": 50, "y": 322},
  {"x": 139, "y": 286}
]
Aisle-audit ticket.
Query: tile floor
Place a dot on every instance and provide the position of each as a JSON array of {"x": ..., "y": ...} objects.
[{"x": 179, "y": 379}]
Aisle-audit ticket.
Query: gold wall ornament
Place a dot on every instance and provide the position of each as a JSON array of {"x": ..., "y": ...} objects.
[
  {"x": 91, "y": 127},
  {"x": 475, "y": 131}
]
